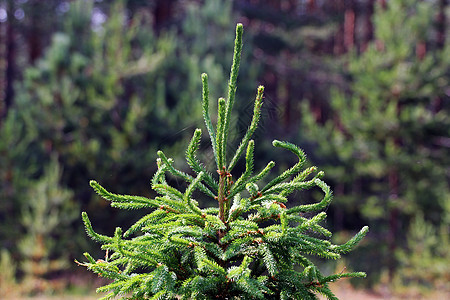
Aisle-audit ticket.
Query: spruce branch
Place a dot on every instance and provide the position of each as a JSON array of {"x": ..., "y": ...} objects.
[
  {"x": 206, "y": 117},
  {"x": 166, "y": 190},
  {"x": 348, "y": 246},
  {"x": 220, "y": 141},
  {"x": 90, "y": 231},
  {"x": 186, "y": 177},
  {"x": 151, "y": 218},
  {"x": 194, "y": 163},
  {"x": 326, "y": 200},
  {"x": 232, "y": 84},
  {"x": 294, "y": 169},
  {"x": 251, "y": 129},
  {"x": 122, "y": 201},
  {"x": 187, "y": 195},
  {"x": 335, "y": 277},
  {"x": 243, "y": 180}
]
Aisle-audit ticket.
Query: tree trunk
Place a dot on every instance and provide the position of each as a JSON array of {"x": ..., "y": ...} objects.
[
  {"x": 162, "y": 12},
  {"x": 3, "y": 66},
  {"x": 421, "y": 50},
  {"x": 339, "y": 37},
  {"x": 8, "y": 65},
  {"x": 441, "y": 24},
  {"x": 349, "y": 25},
  {"x": 311, "y": 6},
  {"x": 35, "y": 34},
  {"x": 368, "y": 34}
]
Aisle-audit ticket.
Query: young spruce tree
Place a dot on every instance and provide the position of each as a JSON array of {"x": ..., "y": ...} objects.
[{"x": 249, "y": 247}]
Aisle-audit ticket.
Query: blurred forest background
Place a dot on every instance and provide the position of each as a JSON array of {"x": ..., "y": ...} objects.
[{"x": 92, "y": 89}]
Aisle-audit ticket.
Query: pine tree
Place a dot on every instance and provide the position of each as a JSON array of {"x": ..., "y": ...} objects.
[
  {"x": 423, "y": 264},
  {"x": 252, "y": 245},
  {"x": 46, "y": 217},
  {"x": 383, "y": 146},
  {"x": 8, "y": 284},
  {"x": 14, "y": 170}
]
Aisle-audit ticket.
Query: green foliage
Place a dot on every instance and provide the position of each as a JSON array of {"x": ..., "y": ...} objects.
[
  {"x": 46, "y": 216},
  {"x": 249, "y": 246},
  {"x": 424, "y": 263},
  {"x": 86, "y": 92},
  {"x": 383, "y": 146},
  {"x": 8, "y": 283},
  {"x": 83, "y": 102},
  {"x": 14, "y": 168},
  {"x": 81, "y": 95}
]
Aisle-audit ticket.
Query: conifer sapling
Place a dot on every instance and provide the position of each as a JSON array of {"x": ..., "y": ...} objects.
[{"x": 251, "y": 246}]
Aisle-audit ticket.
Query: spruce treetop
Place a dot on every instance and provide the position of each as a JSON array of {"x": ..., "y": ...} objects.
[{"x": 250, "y": 246}]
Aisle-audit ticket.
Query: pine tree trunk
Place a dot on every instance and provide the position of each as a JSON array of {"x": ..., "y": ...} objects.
[
  {"x": 339, "y": 38},
  {"x": 349, "y": 25},
  {"x": 421, "y": 50},
  {"x": 9, "y": 46},
  {"x": 3, "y": 66},
  {"x": 311, "y": 6},
  {"x": 368, "y": 34},
  {"x": 441, "y": 33},
  {"x": 34, "y": 33},
  {"x": 441, "y": 24},
  {"x": 162, "y": 13}
]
